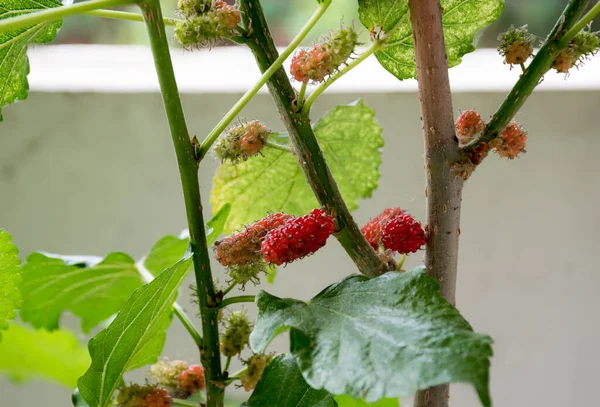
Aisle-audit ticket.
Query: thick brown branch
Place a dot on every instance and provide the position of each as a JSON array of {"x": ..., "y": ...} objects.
[
  {"x": 444, "y": 189},
  {"x": 305, "y": 145}
]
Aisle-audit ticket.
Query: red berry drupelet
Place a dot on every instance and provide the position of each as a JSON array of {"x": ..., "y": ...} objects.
[
  {"x": 191, "y": 379},
  {"x": 157, "y": 398},
  {"x": 468, "y": 125},
  {"x": 511, "y": 142},
  {"x": 373, "y": 230},
  {"x": 244, "y": 248},
  {"x": 297, "y": 237},
  {"x": 404, "y": 235},
  {"x": 136, "y": 395}
]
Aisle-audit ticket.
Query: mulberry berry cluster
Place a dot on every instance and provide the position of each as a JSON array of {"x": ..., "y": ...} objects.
[
  {"x": 178, "y": 377},
  {"x": 255, "y": 366},
  {"x": 205, "y": 21},
  {"x": 314, "y": 64},
  {"x": 585, "y": 44},
  {"x": 468, "y": 125},
  {"x": 516, "y": 45},
  {"x": 241, "y": 142},
  {"x": 511, "y": 142},
  {"x": 297, "y": 237},
  {"x": 395, "y": 230},
  {"x": 136, "y": 395},
  {"x": 237, "y": 333}
]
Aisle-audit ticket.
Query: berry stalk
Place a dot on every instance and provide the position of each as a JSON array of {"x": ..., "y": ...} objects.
[
  {"x": 305, "y": 145},
  {"x": 125, "y": 15},
  {"x": 188, "y": 171},
  {"x": 529, "y": 80}
]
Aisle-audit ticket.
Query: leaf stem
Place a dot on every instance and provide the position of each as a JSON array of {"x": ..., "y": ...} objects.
[
  {"x": 188, "y": 171},
  {"x": 267, "y": 73},
  {"x": 321, "y": 88},
  {"x": 123, "y": 15},
  {"x": 235, "y": 300},
  {"x": 585, "y": 20},
  {"x": 56, "y": 13},
  {"x": 278, "y": 146},
  {"x": 401, "y": 263},
  {"x": 305, "y": 144},
  {"x": 529, "y": 80}
]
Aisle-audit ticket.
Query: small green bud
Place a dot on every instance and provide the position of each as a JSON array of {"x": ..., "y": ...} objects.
[
  {"x": 247, "y": 273},
  {"x": 237, "y": 333},
  {"x": 241, "y": 142}
]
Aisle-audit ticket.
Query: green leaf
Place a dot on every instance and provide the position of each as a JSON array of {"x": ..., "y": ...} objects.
[
  {"x": 135, "y": 338},
  {"x": 282, "y": 385},
  {"x": 461, "y": 19},
  {"x": 347, "y": 401},
  {"x": 14, "y": 64},
  {"x": 91, "y": 289},
  {"x": 351, "y": 142},
  {"x": 373, "y": 338},
  {"x": 10, "y": 280},
  {"x": 170, "y": 249},
  {"x": 56, "y": 356}
]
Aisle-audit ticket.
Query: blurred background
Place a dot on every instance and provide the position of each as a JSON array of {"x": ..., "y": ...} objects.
[
  {"x": 287, "y": 16},
  {"x": 95, "y": 172}
]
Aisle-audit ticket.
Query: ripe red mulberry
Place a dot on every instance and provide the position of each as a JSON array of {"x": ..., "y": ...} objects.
[
  {"x": 373, "y": 230},
  {"x": 297, "y": 237},
  {"x": 403, "y": 234}
]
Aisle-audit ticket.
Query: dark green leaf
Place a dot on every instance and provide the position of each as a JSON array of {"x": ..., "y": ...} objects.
[
  {"x": 56, "y": 356},
  {"x": 14, "y": 64},
  {"x": 135, "y": 338},
  {"x": 282, "y": 385},
  {"x": 351, "y": 142},
  {"x": 461, "y": 19},
  {"x": 373, "y": 338},
  {"x": 347, "y": 401},
  {"x": 168, "y": 250},
  {"x": 92, "y": 290},
  {"x": 10, "y": 280}
]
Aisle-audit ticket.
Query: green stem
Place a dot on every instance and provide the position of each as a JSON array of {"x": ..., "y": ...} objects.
[
  {"x": 566, "y": 39},
  {"x": 184, "y": 403},
  {"x": 235, "y": 300},
  {"x": 530, "y": 78},
  {"x": 321, "y": 88},
  {"x": 305, "y": 145},
  {"x": 228, "y": 289},
  {"x": 235, "y": 376},
  {"x": 402, "y": 260},
  {"x": 188, "y": 171},
  {"x": 237, "y": 108},
  {"x": 227, "y": 363},
  {"x": 50, "y": 14},
  {"x": 278, "y": 146},
  {"x": 301, "y": 95},
  {"x": 177, "y": 309},
  {"x": 123, "y": 15}
]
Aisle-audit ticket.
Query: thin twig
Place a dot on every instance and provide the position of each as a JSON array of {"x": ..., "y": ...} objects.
[{"x": 236, "y": 300}]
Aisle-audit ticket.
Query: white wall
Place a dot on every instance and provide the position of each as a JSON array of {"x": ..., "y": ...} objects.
[{"x": 88, "y": 173}]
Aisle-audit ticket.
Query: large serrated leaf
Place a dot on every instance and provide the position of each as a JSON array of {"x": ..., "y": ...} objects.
[
  {"x": 92, "y": 290},
  {"x": 351, "y": 142},
  {"x": 14, "y": 64},
  {"x": 56, "y": 356},
  {"x": 135, "y": 337},
  {"x": 10, "y": 280},
  {"x": 462, "y": 19},
  {"x": 282, "y": 385},
  {"x": 373, "y": 338}
]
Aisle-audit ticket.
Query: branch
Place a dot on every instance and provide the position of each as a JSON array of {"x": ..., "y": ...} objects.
[
  {"x": 444, "y": 190},
  {"x": 56, "y": 13},
  {"x": 305, "y": 144},
  {"x": 531, "y": 77},
  {"x": 236, "y": 300},
  {"x": 188, "y": 171}
]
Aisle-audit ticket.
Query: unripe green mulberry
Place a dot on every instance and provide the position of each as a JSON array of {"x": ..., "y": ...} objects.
[
  {"x": 241, "y": 142},
  {"x": 585, "y": 44},
  {"x": 165, "y": 372},
  {"x": 516, "y": 45},
  {"x": 202, "y": 25},
  {"x": 237, "y": 333},
  {"x": 256, "y": 365}
]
